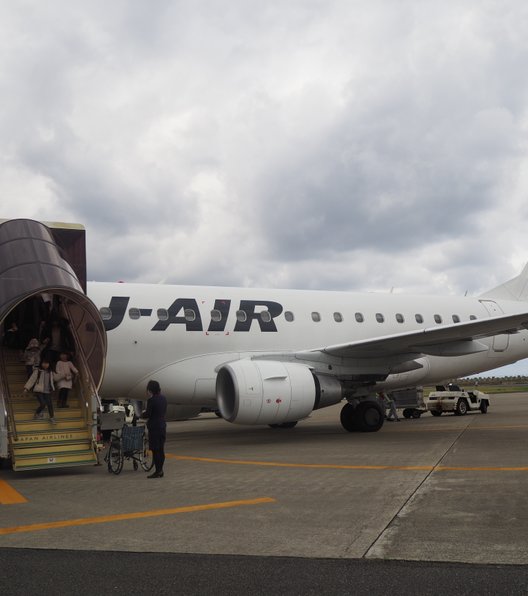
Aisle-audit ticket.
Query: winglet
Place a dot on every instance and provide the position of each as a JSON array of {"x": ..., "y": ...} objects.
[{"x": 514, "y": 289}]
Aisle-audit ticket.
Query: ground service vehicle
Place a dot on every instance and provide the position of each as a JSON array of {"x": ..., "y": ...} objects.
[{"x": 457, "y": 400}]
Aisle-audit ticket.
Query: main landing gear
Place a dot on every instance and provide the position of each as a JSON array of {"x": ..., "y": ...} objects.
[{"x": 367, "y": 416}]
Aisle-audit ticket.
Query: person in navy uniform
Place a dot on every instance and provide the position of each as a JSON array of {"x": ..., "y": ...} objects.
[{"x": 155, "y": 415}]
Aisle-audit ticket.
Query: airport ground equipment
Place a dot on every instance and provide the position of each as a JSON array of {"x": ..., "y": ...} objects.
[
  {"x": 457, "y": 400},
  {"x": 38, "y": 260},
  {"x": 410, "y": 401},
  {"x": 128, "y": 442}
]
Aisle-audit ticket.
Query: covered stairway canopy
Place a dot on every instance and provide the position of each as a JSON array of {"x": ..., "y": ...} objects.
[{"x": 32, "y": 264}]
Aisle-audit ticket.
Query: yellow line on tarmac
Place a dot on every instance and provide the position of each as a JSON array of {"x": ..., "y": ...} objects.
[
  {"x": 274, "y": 464},
  {"x": 138, "y": 515},
  {"x": 290, "y": 465},
  {"x": 10, "y": 496}
]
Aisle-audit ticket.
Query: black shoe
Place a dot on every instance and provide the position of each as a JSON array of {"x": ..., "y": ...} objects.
[{"x": 156, "y": 475}]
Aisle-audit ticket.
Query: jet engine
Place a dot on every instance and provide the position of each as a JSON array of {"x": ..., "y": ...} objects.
[{"x": 272, "y": 392}]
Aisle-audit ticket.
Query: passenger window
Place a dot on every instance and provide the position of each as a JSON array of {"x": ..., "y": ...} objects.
[
  {"x": 134, "y": 313},
  {"x": 106, "y": 313},
  {"x": 265, "y": 316},
  {"x": 399, "y": 317},
  {"x": 438, "y": 319},
  {"x": 338, "y": 317},
  {"x": 456, "y": 319},
  {"x": 472, "y": 318},
  {"x": 419, "y": 318},
  {"x": 163, "y": 314},
  {"x": 359, "y": 317},
  {"x": 216, "y": 316},
  {"x": 379, "y": 317},
  {"x": 288, "y": 315},
  {"x": 241, "y": 316},
  {"x": 316, "y": 317},
  {"x": 190, "y": 315}
]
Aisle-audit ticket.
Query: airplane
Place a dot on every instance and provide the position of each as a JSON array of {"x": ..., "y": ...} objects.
[{"x": 272, "y": 357}]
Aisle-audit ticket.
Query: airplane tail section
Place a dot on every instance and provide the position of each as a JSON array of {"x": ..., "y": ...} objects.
[{"x": 514, "y": 289}]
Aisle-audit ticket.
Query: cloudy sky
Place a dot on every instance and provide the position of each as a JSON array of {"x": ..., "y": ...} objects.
[{"x": 333, "y": 144}]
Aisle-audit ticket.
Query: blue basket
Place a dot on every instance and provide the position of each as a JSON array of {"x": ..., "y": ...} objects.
[{"x": 132, "y": 437}]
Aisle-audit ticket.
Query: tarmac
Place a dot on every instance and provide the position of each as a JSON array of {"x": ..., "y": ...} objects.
[{"x": 440, "y": 492}]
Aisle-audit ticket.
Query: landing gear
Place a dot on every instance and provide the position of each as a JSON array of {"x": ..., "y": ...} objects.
[{"x": 367, "y": 417}]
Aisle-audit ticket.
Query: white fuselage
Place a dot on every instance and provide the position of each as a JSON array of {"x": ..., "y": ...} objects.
[{"x": 179, "y": 335}]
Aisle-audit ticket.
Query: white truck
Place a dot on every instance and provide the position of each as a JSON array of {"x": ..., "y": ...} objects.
[{"x": 457, "y": 400}]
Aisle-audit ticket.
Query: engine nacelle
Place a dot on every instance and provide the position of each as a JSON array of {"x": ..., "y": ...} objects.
[{"x": 271, "y": 392}]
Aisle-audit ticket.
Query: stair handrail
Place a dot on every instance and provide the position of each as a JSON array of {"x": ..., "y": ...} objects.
[
  {"x": 87, "y": 383},
  {"x": 6, "y": 407}
]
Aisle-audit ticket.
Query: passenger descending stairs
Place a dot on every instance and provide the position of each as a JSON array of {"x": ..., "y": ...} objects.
[{"x": 39, "y": 444}]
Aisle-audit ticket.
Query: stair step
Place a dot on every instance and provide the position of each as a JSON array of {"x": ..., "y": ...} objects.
[
  {"x": 53, "y": 450},
  {"x": 24, "y": 415},
  {"x": 21, "y": 396},
  {"x": 51, "y": 437},
  {"x": 55, "y": 461},
  {"x": 44, "y": 424}
]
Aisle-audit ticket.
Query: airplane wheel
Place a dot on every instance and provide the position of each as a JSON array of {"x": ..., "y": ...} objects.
[
  {"x": 416, "y": 414},
  {"x": 370, "y": 416},
  {"x": 436, "y": 413},
  {"x": 461, "y": 407},
  {"x": 407, "y": 413},
  {"x": 484, "y": 407},
  {"x": 348, "y": 418},
  {"x": 366, "y": 417}
]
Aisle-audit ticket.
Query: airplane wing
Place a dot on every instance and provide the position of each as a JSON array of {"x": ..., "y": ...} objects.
[{"x": 447, "y": 340}]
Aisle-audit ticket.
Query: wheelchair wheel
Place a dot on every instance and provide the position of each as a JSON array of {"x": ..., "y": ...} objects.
[
  {"x": 115, "y": 457},
  {"x": 145, "y": 456}
]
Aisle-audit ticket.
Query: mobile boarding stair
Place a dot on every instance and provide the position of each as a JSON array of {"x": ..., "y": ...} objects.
[{"x": 35, "y": 259}]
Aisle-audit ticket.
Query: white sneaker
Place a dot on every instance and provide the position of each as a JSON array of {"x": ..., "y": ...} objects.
[{"x": 53, "y": 421}]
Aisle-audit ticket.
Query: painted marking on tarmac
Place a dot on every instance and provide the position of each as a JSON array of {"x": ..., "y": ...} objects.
[
  {"x": 10, "y": 496},
  {"x": 138, "y": 515},
  {"x": 242, "y": 462},
  {"x": 274, "y": 464}
]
